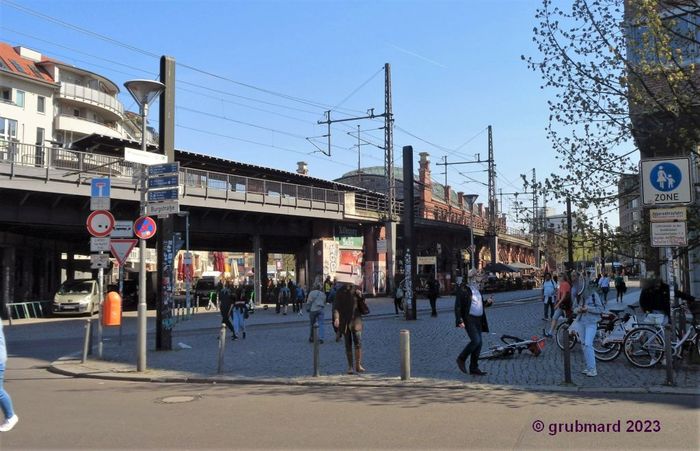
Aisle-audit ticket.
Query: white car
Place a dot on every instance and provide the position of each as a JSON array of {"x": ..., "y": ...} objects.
[{"x": 77, "y": 297}]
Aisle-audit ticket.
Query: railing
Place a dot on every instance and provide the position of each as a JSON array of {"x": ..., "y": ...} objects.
[
  {"x": 226, "y": 185},
  {"x": 93, "y": 96},
  {"x": 111, "y": 125}
]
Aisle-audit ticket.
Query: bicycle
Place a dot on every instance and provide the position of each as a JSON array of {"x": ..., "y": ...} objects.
[
  {"x": 513, "y": 344},
  {"x": 645, "y": 345},
  {"x": 213, "y": 302},
  {"x": 612, "y": 329}
]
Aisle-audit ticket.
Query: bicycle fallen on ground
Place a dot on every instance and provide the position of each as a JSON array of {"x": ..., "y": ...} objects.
[{"x": 512, "y": 345}]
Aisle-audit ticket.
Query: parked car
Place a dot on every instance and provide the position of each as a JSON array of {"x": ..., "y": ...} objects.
[{"x": 77, "y": 296}]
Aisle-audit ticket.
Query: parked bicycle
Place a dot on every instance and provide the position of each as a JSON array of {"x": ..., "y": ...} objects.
[
  {"x": 645, "y": 345},
  {"x": 612, "y": 330}
]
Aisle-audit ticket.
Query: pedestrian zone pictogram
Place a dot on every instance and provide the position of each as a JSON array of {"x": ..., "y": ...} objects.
[{"x": 665, "y": 176}]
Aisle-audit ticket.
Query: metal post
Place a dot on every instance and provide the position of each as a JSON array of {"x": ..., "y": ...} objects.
[
  {"x": 567, "y": 355},
  {"x": 141, "y": 320},
  {"x": 121, "y": 293},
  {"x": 669, "y": 329},
  {"x": 316, "y": 350},
  {"x": 222, "y": 346},
  {"x": 668, "y": 353},
  {"x": 86, "y": 342},
  {"x": 405, "y": 342},
  {"x": 569, "y": 235},
  {"x": 100, "y": 289},
  {"x": 188, "y": 279}
]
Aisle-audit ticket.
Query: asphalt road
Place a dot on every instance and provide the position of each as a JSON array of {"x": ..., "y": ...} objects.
[{"x": 64, "y": 413}]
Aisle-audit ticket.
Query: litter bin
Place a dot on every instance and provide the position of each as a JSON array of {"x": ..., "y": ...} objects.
[{"x": 112, "y": 309}]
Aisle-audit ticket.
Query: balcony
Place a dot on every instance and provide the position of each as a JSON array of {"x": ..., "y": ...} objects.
[
  {"x": 84, "y": 126},
  {"x": 108, "y": 104}
]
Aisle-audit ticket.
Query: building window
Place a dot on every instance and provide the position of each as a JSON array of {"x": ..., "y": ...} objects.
[
  {"x": 39, "y": 136},
  {"x": 8, "y": 128},
  {"x": 19, "y": 98},
  {"x": 3, "y": 65},
  {"x": 41, "y": 104},
  {"x": 76, "y": 112},
  {"x": 18, "y": 66},
  {"x": 6, "y": 94}
]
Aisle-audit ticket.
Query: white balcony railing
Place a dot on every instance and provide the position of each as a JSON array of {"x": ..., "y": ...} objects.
[{"x": 92, "y": 96}]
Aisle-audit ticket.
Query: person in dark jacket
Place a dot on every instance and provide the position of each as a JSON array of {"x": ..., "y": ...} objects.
[
  {"x": 470, "y": 314},
  {"x": 433, "y": 293},
  {"x": 226, "y": 306},
  {"x": 347, "y": 321},
  {"x": 655, "y": 297}
]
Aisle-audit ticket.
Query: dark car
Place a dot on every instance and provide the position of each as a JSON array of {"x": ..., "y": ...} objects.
[{"x": 202, "y": 289}]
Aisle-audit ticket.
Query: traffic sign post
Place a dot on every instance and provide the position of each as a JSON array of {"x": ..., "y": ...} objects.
[
  {"x": 121, "y": 248},
  {"x": 145, "y": 227},
  {"x": 99, "y": 194}
]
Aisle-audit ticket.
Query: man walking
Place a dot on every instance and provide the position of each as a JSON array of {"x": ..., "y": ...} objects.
[
  {"x": 470, "y": 315},
  {"x": 315, "y": 304}
]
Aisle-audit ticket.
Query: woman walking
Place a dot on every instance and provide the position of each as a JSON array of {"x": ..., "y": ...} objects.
[
  {"x": 589, "y": 311},
  {"x": 239, "y": 310},
  {"x": 11, "y": 418},
  {"x": 348, "y": 322}
]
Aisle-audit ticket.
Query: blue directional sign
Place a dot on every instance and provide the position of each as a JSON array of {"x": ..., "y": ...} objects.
[
  {"x": 100, "y": 187},
  {"x": 163, "y": 195},
  {"x": 162, "y": 169},
  {"x": 163, "y": 182}
]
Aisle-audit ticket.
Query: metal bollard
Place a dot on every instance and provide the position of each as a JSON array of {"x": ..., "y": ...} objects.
[
  {"x": 222, "y": 346},
  {"x": 405, "y": 343},
  {"x": 567, "y": 355},
  {"x": 86, "y": 341},
  {"x": 317, "y": 373},
  {"x": 91, "y": 341},
  {"x": 668, "y": 353}
]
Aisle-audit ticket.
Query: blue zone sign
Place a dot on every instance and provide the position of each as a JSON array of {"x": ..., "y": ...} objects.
[{"x": 666, "y": 181}]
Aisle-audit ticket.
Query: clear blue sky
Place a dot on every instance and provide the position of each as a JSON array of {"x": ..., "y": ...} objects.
[{"x": 455, "y": 65}]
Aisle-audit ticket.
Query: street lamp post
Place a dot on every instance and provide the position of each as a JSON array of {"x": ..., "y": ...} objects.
[
  {"x": 143, "y": 92},
  {"x": 471, "y": 198}
]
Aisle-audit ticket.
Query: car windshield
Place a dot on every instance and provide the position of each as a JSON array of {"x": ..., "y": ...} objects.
[{"x": 76, "y": 287}]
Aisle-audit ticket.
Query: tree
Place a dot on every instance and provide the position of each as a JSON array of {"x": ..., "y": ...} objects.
[{"x": 624, "y": 79}]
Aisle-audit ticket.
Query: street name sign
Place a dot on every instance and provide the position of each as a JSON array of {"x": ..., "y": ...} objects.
[
  {"x": 100, "y": 223},
  {"x": 99, "y": 244},
  {"x": 163, "y": 208},
  {"x": 666, "y": 181},
  {"x": 168, "y": 181},
  {"x": 669, "y": 234},
  {"x": 667, "y": 214},
  {"x": 163, "y": 169},
  {"x": 141, "y": 157}
]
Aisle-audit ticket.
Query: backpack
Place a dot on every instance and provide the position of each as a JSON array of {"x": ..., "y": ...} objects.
[
  {"x": 285, "y": 294},
  {"x": 300, "y": 293}
]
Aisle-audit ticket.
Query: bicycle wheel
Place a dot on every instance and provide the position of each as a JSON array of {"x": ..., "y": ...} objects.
[
  {"x": 643, "y": 347},
  {"x": 561, "y": 338},
  {"x": 509, "y": 339},
  {"x": 605, "y": 352}
]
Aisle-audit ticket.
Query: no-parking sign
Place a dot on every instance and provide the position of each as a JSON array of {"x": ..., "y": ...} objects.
[{"x": 144, "y": 227}]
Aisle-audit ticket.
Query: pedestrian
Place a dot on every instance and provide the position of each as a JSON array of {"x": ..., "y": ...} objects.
[
  {"x": 433, "y": 293},
  {"x": 348, "y": 322},
  {"x": 604, "y": 284},
  {"x": 327, "y": 286},
  {"x": 11, "y": 418},
  {"x": 470, "y": 315},
  {"x": 563, "y": 307},
  {"x": 299, "y": 298},
  {"x": 283, "y": 297},
  {"x": 549, "y": 290},
  {"x": 620, "y": 287},
  {"x": 655, "y": 298},
  {"x": 226, "y": 306},
  {"x": 589, "y": 311},
  {"x": 239, "y": 312},
  {"x": 315, "y": 305}
]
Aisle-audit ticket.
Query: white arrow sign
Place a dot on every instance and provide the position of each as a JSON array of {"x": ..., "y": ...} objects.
[{"x": 121, "y": 248}]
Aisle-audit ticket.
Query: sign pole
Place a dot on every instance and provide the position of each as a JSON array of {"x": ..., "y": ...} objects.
[{"x": 100, "y": 289}]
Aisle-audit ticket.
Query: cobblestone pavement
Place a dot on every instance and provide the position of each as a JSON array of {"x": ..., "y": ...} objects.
[{"x": 277, "y": 348}]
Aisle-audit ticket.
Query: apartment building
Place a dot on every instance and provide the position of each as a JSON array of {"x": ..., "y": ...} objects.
[{"x": 47, "y": 102}]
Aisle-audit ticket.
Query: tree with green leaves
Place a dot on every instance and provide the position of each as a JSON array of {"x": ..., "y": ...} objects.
[{"x": 624, "y": 79}]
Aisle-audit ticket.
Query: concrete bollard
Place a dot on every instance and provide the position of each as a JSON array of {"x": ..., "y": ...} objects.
[
  {"x": 317, "y": 372},
  {"x": 668, "y": 353},
  {"x": 222, "y": 346},
  {"x": 567, "y": 355},
  {"x": 86, "y": 341},
  {"x": 405, "y": 344}
]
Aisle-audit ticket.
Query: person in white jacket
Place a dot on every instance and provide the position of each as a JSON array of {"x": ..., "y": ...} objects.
[
  {"x": 315, "y": 304},
  {"x": 589, "y": 310},
  {"x": 11, "y": 418}
]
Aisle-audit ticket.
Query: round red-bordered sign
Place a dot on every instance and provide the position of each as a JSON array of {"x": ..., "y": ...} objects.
[
  {"x": 100, "y": 223},
  {"x": 144, "y": 227}
]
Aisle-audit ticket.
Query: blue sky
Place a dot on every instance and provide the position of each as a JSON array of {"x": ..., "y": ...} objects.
[{"x": 455, "y": 66}]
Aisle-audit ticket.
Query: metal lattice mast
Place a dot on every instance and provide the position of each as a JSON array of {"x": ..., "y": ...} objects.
[
  {"x": 493, "y": 229},
  {"x": 389, "y": 144}
]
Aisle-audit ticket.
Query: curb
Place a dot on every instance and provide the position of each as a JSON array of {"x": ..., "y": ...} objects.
[{"x": 376, "y": 382}]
